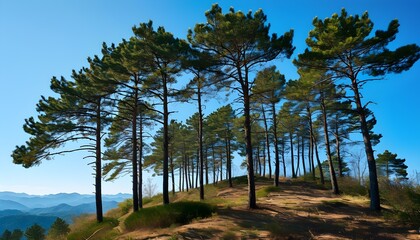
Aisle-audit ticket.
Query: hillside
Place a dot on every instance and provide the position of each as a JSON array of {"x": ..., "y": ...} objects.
[{"x": 295, "y": 210}]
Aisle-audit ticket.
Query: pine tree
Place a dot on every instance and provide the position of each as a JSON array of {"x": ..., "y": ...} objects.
[
  {"x": 388, "y": 164},
  {"x": 240, "y": 43},
  {"x": 163, "y": 54},
  {"x": 343, "y": 46},
  {"x": 59, "y": 229},
  {"x": 35, "y": 232},
  {"x": 80, "y": 113},
  {"x": 269, "y": 84}
]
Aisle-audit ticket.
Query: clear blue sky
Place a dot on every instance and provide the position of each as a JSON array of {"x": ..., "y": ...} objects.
[{"x": 45, "y": 38}]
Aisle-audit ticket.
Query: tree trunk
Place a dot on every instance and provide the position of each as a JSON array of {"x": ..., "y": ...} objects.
[
  {"x": 267, "y": 142},
  {"x": 283, "y": 156},
  {"x": 303, "y": 156},
  {"x": 276, "y": 147},
  {"x": 252, "y": 200},
  {"x": 134, "y": 147},
  {"x": 298, "y": 156},
  {"x": 207, "y": 166},
  {"x": 186, "y": 171},
  {"x": 257, "y": 165},
  {"x": 373, "y": 178},
  {"x": 292, "y": 155},
  {"x": 200, "y": 142},
  {"x": 140, "y": 184},
  {"x": 181, "y": 183},
  {"x": 172, "y": 175},
  {"x": 214, "y": 164},
  {"x": 311, "y": 139},
  {"x": 229, "y": 163},
  {"x": 321, "y": 172},
  {"x": 340, "y": 162},
  {"x": 98, "y": 167},
  {"x": 165, "y": 185},
  {"x": 333, "y": 178}
]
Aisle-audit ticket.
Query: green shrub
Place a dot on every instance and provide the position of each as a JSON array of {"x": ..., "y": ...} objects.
[
  {"x": 352, "y": 187},
  {"x": 167, "y": 215},
  {"x": 126, "y": 206},
  {"x": 265, "y": 191},
  {"x": 404, "y": 200},
  {"x": 89, "y": 227}
]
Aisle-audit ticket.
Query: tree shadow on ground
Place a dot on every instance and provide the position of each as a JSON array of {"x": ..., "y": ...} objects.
[
  {"x": 286, "y": 224},
  {"x": 205, "y": 233}
]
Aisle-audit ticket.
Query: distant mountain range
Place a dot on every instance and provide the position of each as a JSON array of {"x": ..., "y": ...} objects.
[{"x": 20, "y": 210}]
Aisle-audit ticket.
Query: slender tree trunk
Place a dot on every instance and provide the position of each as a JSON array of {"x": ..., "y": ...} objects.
[
  {"x": 207, "y": 166},
  {"x": 172, "y": 174},
  {"x": 267, "y": 142},
  {"x": 311, "y": 139},
  {"x": 276, "y": 147},
  {"x": 321, "y": 172},
  {"x": 298, "y": 156},
  {"x": 192, "y": 173},
  {"x": 309, "y": 156},
  {"x": 98, "y": 165},
  {"x": 229, "y": 163},
  {"x": 180, "y": 186},
  {"x": 283, "y": 156},
  {"x": 140, "y": 184},
  {"x": 264, "y": 164},
  {"x": 292, "y": 155},
  {"x": 252, "y": 200},
  {"x": 258, "y": 158},
  {"x": 340, "y": 162},
  {"x": 186, "y": 173},
  {"x": 200, "y": 142},
  {"x": 165, "y": 185},
  {"x": 303, "y": 156},
  {"x": 197, "y": 170},
  {"x": 214, "y": 165},
  {"x": 134, "y": 146},
  {"x": 333, "y": 177},
  {"x": 373, "y": 178}
]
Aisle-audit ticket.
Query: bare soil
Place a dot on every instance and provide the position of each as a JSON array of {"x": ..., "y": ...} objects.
[{"x": 297, "y": 211}]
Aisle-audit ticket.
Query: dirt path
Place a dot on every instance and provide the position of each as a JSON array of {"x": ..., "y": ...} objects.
[{"x": 298, "y": 211}]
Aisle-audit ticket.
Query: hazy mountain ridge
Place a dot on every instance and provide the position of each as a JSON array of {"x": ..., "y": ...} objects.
[
  {"x": 12, "y": 205},
  {"x": 20, "y": 210},
  {"x": 44, "y": 201}
]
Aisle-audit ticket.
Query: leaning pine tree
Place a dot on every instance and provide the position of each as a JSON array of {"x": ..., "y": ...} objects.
[{"x": 344, "y": 46}]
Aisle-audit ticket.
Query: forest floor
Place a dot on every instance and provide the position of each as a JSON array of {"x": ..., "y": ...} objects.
[{"x": 297, "y": 210}]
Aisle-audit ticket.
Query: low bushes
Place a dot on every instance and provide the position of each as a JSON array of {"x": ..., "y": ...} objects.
[
  {"x": 167, "y": 215},
  {"x": 265, "y": 191},
  {"x": 86, "y": 227},
  {"x": 404, "y": 199}
]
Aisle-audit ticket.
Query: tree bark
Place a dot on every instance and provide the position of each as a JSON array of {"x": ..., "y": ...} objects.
[
  {"x": 200, "y": 142},
  {"x": 165, "y": 185},
  {"x": 98, "y": 165},
  {"x": 321, "y": 172},
  {"x": 140, "y": 184},
  {"x": 267, "y": 142},
  {"x": 134, "y": 147},
  {"x": 311, "y": 139},
  {"x": 252, "y": 200},
  {"x": 373, "y": 178},
  {"x": 303, "y": 156},
  {"x": 292, "y": 155},
  {"x": 333, "y": 177},
  {"x": 276, "y": 147}
]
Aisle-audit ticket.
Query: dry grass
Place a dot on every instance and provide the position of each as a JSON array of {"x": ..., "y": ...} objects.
[{"x": 294, "y": 210}]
